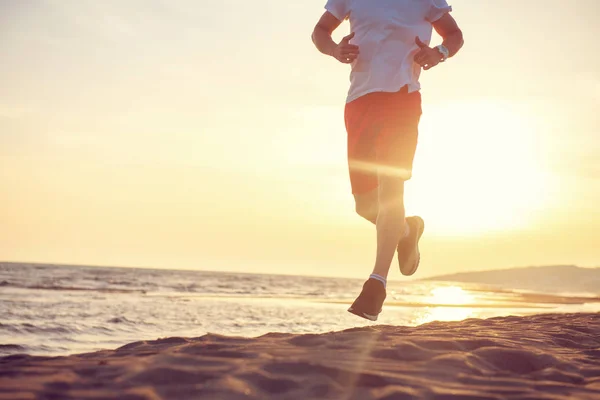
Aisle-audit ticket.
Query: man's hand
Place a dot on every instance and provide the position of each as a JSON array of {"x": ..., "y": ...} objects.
[
  {"x": 345, "y": 52},
  {"x": 427, "y": 57}
]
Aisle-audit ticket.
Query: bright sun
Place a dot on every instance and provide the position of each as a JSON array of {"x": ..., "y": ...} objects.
[{"x": 476, "y": 169}]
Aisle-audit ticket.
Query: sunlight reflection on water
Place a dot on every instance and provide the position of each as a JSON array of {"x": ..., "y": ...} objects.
[
  {"x": 446, "y": 295},
  {"x": 430, "y": 314}
]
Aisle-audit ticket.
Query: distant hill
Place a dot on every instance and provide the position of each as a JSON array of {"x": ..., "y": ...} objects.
[{"x": 552, "y": 279}]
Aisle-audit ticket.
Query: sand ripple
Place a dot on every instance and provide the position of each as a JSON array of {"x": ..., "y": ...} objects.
[{"x": 538, "y": 357}]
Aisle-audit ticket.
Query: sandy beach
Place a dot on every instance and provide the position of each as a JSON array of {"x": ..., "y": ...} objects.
[
  {"x": 551, "y": 356},
  {"x": 193, "y": 194}
]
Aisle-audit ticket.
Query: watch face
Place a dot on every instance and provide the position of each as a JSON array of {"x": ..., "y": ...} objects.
[{"x": 442, "y": 49}]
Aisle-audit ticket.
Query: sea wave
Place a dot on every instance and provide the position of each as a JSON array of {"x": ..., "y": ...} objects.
[
  {"x": 11, "y": 347},
  {"x": 71, "y": 288}
]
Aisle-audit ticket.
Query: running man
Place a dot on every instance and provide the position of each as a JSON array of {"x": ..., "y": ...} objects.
[{"x": 387, "y": 48}]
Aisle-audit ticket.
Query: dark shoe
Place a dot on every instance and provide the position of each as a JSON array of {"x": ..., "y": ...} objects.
[
  {"x": 369, "y": 302},
  {"x": 408, "y": 248}
]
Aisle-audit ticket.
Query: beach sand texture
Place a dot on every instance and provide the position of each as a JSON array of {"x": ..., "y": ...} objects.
[{"x": 552, "y": 356}]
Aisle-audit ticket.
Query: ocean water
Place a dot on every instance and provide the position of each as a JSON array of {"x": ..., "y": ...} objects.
[{"x": 59, "y": 310}]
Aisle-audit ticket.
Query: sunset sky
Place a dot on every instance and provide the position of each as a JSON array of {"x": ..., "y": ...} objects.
[{"x": 209, "y": 135}]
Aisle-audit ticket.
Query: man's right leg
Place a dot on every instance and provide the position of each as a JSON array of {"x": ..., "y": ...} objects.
[
  {"x": 390, "y": 193},
  {"x": 383, "y": 206},
  {"x": 390, "y": 224},
  {"x": 382, "y": 132},
  {"x": 367, "y": 204},
  {"x": 362, "y": 127}
]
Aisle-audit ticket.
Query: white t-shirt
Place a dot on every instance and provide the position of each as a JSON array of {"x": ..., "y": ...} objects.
[{"x": 385, "y": 32}]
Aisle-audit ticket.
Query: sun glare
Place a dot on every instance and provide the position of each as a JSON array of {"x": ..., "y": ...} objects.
[{"x": 476, "y": 169}]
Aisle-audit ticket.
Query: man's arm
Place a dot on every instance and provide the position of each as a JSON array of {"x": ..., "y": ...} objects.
[
  {"x": 452, "y": 37},
  {"x": 321, "y": 37},
  {"x": 448, "y": 29}
]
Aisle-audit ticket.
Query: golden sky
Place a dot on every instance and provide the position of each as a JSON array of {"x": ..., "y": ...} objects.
[{"x": 210, "y": 135}]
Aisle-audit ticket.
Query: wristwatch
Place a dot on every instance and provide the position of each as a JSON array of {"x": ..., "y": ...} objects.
[{"x": 443, "y": 51}]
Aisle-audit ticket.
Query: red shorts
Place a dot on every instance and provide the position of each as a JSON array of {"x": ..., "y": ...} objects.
[{"x": 382, "y": 136}]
